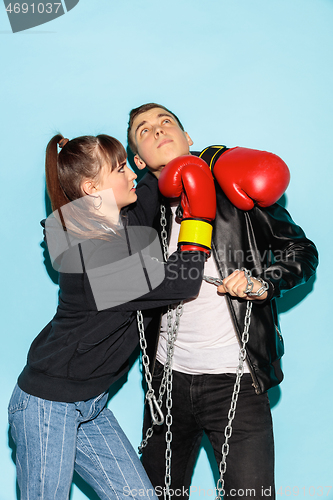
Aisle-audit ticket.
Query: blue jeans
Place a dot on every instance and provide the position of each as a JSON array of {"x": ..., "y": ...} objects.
[
  {"x": 200, "y": 403},
  {"x": 53, "y": 439}
]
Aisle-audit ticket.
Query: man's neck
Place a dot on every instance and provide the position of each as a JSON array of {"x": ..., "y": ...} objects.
[{"x": 158, "y": 171}]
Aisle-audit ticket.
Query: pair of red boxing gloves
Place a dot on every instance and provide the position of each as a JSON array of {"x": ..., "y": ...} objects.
[{"x": 247, "y": 177}]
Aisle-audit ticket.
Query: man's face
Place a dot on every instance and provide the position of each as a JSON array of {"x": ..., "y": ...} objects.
[{"x": 158, "y": 139}]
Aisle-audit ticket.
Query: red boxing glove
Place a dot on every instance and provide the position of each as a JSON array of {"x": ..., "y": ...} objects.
[
  {"x": 248, "y": 176},
  {"x": 190, "y": 177}
]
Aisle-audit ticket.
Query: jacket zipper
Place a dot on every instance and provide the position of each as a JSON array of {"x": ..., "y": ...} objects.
[{"x": 278, "y": 332}]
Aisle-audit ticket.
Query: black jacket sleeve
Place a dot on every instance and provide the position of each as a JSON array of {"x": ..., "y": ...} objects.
[
  {"x": 183, "y": 278},
  {"x": 294, "y": 256},
  {"x": 124, "y": 274},
  {"x": 147, "y": 207}
]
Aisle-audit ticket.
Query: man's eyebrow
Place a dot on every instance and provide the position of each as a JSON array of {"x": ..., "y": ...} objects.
[
  {"x": 140, "y": 125},
  {"x": 160, "y": 115},
  {"x": 165, "y": 114}
]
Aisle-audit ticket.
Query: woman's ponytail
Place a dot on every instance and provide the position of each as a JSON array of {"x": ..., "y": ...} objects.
[
  {"x": 54, "y": 189},
  {"x": 80, "y": 158}
]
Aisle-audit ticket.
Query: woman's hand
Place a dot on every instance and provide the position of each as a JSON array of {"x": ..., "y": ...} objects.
[{"x": 236, "y": 283}]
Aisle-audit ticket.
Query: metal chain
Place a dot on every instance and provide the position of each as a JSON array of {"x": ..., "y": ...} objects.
[
  {"x": 150, "y": 395},
  {"x": 143, "y": 345},
  {"x": 158, "y": 417},
  {"x": 172, "y": 332},
  {"x": 164, "y": 234},
  {"x": 166, "y": 383},
  {"x": 239, "y": 373},
  {"x": 249, "y": 286},
  {"x": 234, "y": 398},
  {"x": 264, "y": 285},
  {"x": 173, "y": 327},
  {"x": 212, "y": 280}
]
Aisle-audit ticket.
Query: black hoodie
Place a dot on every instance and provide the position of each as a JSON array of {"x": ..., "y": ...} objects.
[{"x": 83, "y": 350}]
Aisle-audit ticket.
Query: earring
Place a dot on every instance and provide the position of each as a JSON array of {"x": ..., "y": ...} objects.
[{"x": 97, "y": 205}]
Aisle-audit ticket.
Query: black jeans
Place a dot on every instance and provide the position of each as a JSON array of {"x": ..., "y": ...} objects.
[{"x": 201, "y": 404}]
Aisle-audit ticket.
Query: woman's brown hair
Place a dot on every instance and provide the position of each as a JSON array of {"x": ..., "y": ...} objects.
[{"x": 80, "y": 159}]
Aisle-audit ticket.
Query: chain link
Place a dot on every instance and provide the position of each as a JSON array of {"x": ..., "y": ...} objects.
[
  {"x": 164, "y": 234},
  {"x": 212, "y": 280},
  {"x": 166, "y": 383},
  {"x": 264, "y": 285}
]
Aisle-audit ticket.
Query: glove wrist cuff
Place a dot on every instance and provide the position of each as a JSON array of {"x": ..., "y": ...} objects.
[{"x": 195, "y": 232}]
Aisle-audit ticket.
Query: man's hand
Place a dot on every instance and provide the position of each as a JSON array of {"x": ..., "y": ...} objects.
[{"x": 236, "y": 283}]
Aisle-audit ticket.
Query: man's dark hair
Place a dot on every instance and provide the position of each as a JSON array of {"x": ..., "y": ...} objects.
[{"x": 138, "y": 111}]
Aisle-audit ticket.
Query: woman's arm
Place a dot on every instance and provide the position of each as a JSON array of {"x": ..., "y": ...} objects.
[
  {"x": 147, "y": 207},
  {"x": 183, "y": 278},
  {"x": 128, "y": 272}
]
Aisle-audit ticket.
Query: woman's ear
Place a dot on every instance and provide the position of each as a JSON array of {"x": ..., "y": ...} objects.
[
  {"x": 88, "y": 186},
  {"x": 139, "y": 163}
]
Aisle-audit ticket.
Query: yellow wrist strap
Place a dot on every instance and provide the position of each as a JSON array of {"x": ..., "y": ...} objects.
[{"x": 195, "y": 232}]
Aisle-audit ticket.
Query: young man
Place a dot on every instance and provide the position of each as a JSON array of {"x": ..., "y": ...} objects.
[{"x": 206, "y": 351}]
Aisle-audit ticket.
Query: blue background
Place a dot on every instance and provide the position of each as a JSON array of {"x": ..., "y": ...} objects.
[{"x": 251, "y": 73}]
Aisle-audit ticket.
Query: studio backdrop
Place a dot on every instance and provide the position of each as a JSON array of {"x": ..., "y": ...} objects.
[{"x": 254, "y": 73}]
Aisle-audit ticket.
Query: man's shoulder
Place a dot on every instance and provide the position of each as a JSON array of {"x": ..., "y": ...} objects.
[{"x": 211, "y": 154}]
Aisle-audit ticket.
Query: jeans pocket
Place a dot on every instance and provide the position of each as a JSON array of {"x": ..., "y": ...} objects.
[{"x": 18, "y": 401}]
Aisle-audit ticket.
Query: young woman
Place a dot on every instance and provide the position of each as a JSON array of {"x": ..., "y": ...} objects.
[{"x": 57, "y": 413}]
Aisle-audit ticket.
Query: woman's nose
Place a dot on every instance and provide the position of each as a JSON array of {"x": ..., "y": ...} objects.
[{"x": 131, "y": 175}]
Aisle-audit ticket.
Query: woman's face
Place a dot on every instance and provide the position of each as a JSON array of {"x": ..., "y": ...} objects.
[{"x": 121, "y": 181}]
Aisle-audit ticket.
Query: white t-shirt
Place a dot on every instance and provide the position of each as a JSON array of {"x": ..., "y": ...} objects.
[{"x": 206, "y": 341}]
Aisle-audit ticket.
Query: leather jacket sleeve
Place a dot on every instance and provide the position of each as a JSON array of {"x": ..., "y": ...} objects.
[{"x": 293, "y": 257}]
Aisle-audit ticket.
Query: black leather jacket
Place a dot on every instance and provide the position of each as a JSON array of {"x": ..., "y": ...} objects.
[{"x": 273, "y": 247}]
